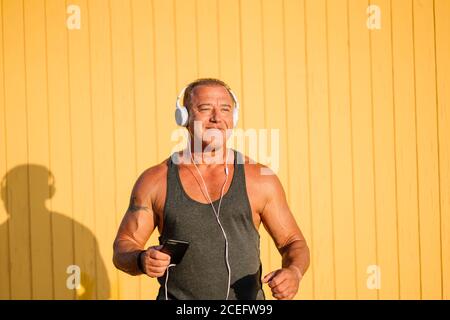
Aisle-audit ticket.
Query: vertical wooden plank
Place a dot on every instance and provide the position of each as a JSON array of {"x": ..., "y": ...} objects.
[
  {"x": 341, "y": 152},
  {"x": 274, "y": 81},
  {"x": 384, "y": 154},
  {"x": 103, "y": 147},
  {"x": 144, "y": 93},
  {"x": 274, "y": 97},
  {"x": 38, "y": 154},
  {"x": 405, "y": 141},
  {"x": 165, "y": 74},
  {"x": 124, "y": 121},
  {"x": 60, "y": 146},
  {"x": 427, "y": 149},
  {"x": 297, "y": 128},
  {"x": 207, "y": 33},
  {"x": 17, "y": 150},
  {"x": 5, "y": 288},
  {"x": 230, "y": 56},
  {"x": 229, "y": 47},
  {"x": 82, "y": 160},
  {"x": 186, "y": 54},
  {"x": 442, "y": 25},
  {"x": 253, "y": 104},
  {"x": 321, "y": 207},
  {"x": 251, "y": 65},
  {"x": 362, "y": 139},
  {"x": 186, "y": 44}
]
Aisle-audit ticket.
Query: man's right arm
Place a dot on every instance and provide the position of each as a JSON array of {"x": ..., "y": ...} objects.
[{"x": 135, "y": 229}]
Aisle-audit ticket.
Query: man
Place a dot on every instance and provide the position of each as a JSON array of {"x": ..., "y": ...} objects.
[{"x": 191, "y": 199}]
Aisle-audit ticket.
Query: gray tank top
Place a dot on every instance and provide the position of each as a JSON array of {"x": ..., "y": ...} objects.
[{"x": 202, "y": 273}]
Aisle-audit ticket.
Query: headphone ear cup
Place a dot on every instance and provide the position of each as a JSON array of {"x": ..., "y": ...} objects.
[
  {"x": 51, "y": 191},
  {"x": 51, "y": 185},
  {"x": 3, "y": 193},
  {"x": 235, "y": 117},
  {"x": 181, "y": 116}
]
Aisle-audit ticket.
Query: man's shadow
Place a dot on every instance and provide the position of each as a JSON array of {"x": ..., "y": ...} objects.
[{"x": 47, "y": 254}]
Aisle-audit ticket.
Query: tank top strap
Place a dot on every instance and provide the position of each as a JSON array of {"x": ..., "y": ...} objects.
[
  {"x": 172, "y": 182},
  {"x": 238, "y": 182}
]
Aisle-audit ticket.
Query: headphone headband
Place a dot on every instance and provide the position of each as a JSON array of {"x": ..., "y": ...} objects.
[{"x": 182, "y": 115}]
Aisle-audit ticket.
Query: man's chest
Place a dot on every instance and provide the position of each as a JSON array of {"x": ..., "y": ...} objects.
[{"x": 196, "y": 191}]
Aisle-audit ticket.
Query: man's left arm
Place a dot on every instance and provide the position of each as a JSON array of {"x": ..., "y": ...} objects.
[{"x": 282, "y": 227}]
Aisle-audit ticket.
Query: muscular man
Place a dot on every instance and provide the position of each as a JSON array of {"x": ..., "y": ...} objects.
[{"x": 223, "y": 258}]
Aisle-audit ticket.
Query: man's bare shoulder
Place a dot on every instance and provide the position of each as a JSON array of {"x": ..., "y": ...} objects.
[
  {"x": 260, "y": 175},
  {"x": 151, "y": 181},
  {"x": 257, "y": 170}
]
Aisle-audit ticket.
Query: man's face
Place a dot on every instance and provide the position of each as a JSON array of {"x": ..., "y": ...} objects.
[{"x": 212, "y": 110}]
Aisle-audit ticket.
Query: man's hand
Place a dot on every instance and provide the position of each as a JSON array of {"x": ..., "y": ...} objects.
[
  {"x": 284, "y": 282},
  {"x": 155, "y": 262}
]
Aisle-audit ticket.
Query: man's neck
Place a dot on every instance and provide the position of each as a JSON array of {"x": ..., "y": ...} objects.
[{"x": 208, "y": 157}]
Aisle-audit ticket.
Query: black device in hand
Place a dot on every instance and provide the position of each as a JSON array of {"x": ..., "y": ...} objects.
[{"x": 175, "y": 249}]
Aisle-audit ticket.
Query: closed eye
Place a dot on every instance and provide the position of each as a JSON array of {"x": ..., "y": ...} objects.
[{"x": 204, "y": 107}]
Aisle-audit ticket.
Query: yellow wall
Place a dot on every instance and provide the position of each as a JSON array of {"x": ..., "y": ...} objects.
[{"x": 364, "y": 119}]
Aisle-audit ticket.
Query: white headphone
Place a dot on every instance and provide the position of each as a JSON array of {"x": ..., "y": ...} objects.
[{"x": 182, "y": 115}]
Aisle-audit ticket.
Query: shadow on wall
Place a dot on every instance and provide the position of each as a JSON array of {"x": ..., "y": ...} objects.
[{"x": 42, "y": 259}]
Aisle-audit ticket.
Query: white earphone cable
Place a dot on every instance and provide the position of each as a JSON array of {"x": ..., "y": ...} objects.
[
  {"x": 218, "y": 211},
  {"x": 167, "y": 278},
  {"x": 181, "y": 117}
]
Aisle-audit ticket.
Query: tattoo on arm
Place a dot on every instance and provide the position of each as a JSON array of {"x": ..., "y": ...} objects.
[{"x": 133, "y": 207}]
